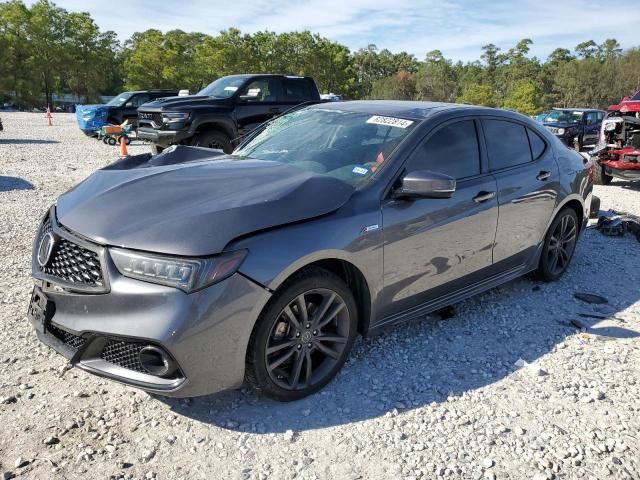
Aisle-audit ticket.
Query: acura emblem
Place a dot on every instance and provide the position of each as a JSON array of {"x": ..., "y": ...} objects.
[{"x": 45, "y": 249}]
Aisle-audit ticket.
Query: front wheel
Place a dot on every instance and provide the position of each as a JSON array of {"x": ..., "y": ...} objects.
[
  {"x": 599, "y": 176},
  {"x": 213, "y": 139},
  {"x": 559, "y": 245},
  {"x": 303, "y": 337}
]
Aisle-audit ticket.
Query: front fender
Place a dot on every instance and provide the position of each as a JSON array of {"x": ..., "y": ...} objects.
[{"x": 214, "y": 120}]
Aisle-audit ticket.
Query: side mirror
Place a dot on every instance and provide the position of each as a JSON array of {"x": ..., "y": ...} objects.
[{"x": 426, "y": 184}]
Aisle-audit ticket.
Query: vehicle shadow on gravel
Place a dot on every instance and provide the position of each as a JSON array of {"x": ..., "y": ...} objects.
[
  {"x": 627, "y": 185},
  {"x": 416, "y": 364},
  {"x": 14, "y": 183},
  {"x": 26, "y": 141}
]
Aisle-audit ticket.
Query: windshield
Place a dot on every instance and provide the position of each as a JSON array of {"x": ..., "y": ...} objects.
[
  {"x": 636, "y": 96},
  {"x": 345, "y": 145},
  {"x": 223, "y": 87},
  {"x": 119, "y": 100},
  {"x": 563, "y": 116}
]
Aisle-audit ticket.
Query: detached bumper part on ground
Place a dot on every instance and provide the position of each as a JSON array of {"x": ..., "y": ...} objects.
[{"x": 202, "y": 336}]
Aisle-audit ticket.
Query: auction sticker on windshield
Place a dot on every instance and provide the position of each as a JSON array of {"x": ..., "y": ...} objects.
[{"x": 390, "y": 121}]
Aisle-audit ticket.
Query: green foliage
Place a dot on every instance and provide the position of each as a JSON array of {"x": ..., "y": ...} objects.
[
  {"x": 46, "y": 49},
  {"x": 523, "y": 97},
  {"x": 478, "y": 94}
]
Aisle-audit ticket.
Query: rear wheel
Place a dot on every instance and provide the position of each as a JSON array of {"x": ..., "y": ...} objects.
[
  {"x": 303, "y": 337},
  {"x": 559, "y": 245},
  {"x": 599, "y": 176},
  {"x": 213, "y": 139}
]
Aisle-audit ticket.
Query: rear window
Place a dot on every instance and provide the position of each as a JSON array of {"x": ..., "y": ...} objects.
[
  {"x": 296, "y": 90},
  {"x": 507, "y": 144},
  {"x": 537, "y": 144}
]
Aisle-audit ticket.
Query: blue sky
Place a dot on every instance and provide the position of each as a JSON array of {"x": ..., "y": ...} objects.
[{"x": 458, "y": 28}]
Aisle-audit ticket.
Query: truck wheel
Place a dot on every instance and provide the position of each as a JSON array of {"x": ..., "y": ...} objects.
[
  {"x": 213, "y": 139},
  {"x": 599, "y": 177}
]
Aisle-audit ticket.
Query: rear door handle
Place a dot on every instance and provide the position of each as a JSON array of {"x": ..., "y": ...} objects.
[
  {"x": 542, "y": 176},
  {"x": 484, "y": 196}
]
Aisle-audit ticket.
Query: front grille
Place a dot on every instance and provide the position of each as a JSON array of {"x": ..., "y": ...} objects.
[
  {"x": 70, "y": 262},
  {"x": 152, "y": 118},
  {"x": 75, "y": 264},
  {"x": 123, "y": 354},
  {"x": 68, "y": 338}
]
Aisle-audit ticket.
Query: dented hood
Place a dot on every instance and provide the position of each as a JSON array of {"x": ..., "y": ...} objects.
[{"x": 193, "y": 201}]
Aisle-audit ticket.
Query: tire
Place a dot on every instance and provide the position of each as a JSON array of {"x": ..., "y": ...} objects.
[
  {"x": 559, "y": 246},
  {"x": 213, "y": 139},
  {"x": 301, "y": 347},
  {"x": 156, "y": 149},
  {"x": 599, "y": 177},
  {"x": 105, "y": 140},
  {"x": 111, "y": 141},
  {"x": 594, "y": 208}
]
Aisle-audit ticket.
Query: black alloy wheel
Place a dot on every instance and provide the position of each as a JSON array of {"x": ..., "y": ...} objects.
[
  {"x": 559, "y": 245},
  {"x": 303, "y": 338}
]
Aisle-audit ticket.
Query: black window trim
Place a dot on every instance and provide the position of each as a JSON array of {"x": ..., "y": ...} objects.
[
  {"x": 427, "y": 136},
  {"x": 526, "y": 127}
]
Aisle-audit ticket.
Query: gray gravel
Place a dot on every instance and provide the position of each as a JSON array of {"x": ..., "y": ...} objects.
[{"x": 433, "y": 399}]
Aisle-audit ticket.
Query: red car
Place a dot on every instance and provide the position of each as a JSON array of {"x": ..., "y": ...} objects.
[{"x": 618, "y": 151}]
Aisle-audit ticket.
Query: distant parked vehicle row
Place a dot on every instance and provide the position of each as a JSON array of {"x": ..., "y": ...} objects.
[
  {"x": 575, "y": 127},
  {"x": 223, "y": 112},
  {"x": 122, "y": 107}
]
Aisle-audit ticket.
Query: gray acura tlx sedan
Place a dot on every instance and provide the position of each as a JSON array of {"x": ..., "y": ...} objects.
[{"x": 191, "y": 272}]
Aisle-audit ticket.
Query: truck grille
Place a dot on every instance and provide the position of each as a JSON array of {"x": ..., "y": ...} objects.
[
  {"x": 123, "y": 354},
  {"x": 150, "y": 118},
  {"x": 71, "y": 263}
]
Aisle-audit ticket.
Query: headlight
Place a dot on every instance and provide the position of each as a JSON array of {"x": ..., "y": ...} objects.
[
  {"x": 170, "y": 117},
  {"x": 187, "y": 274},
  {"x": 561, "y": 131},
  {"x": 609, "y": 127}
]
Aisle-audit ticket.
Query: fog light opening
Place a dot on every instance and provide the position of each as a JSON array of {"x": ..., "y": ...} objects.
[{"x": 155, "y": 361}]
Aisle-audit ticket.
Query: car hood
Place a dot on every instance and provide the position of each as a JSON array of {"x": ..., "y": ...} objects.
[
  {"x": 193, "y": 202},
  {"x": 183, "y": 102}
]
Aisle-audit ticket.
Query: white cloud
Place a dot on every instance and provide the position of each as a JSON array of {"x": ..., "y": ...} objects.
[{"x": 458, "y": 28}]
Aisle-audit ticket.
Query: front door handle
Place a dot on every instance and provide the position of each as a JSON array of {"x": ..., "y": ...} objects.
[
  {"x": 542, "y": 176},
  {"x": 484, "y": 196}
]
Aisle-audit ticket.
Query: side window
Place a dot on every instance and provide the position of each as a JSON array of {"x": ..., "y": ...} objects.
[
  {"x": 295, "y": 90},
  {"x": 537, "y": 144},
  {"x": 592, "y": 117},
  {"x": 600, "y": 117},
  {"x": 138, "y": 100},
  {"x": 452, "y": 150},
  {"x": 507, "y": 144},
  {"x": 260, "y": 90}
]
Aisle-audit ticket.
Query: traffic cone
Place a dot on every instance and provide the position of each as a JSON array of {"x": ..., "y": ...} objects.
[
  {"x": 49, "y": 116},
  {"x": 123, "y": 147}
]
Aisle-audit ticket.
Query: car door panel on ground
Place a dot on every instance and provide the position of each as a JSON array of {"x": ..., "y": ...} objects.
[
  {"x": 527, "y": 176},
  {"x": 434, "y": 246}
]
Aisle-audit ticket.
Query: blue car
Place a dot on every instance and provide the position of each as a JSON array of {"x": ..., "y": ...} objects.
[
  {"x": 575, "y": 127},
  {"x": 121, "y": 107}
]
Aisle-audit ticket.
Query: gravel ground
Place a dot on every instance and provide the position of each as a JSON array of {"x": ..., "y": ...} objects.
[{"x": 432, "y": 399}]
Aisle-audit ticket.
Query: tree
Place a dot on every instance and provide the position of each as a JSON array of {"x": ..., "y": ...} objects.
[
  {"x": 400, "y": 86},
  {"x": 523, "y": 98},
  {"x": 478, "y": 95}
]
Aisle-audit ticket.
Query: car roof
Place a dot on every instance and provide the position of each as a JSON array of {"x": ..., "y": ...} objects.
[
  {"x": 414, "y": 110},
  {"x": 578, "y": 109}
]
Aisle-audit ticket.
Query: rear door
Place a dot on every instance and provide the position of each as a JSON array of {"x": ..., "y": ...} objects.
[
  {"x": 592, "y": 122},
  {"x": 528, "y": 179},
  {"x": 434, "y": 246},
  {"x": 257, "y": 102}
]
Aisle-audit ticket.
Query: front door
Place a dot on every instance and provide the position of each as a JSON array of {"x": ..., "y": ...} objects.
[
  {"x": 257, "y": 102},
  {"x": 435, "y": 246}
]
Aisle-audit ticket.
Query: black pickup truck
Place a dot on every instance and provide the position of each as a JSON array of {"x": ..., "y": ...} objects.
[{"x": 220, "y": 114}]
